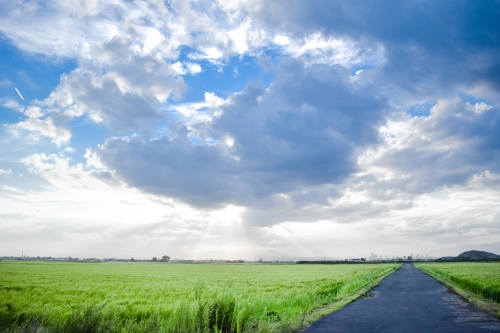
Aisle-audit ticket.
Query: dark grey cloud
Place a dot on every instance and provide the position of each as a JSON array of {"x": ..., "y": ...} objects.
[
  {"x": 304, "y": 130},
  {"x": 433, "y": 50},
  {"x": 429, "y": 46},
  {"x": 107, "y": 102},
  {"x": 453, "y": 149}
]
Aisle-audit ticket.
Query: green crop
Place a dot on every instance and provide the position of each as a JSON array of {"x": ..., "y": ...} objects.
[
  {"x": 479, "y": 278},
  {"x": 149, "y": 297}
]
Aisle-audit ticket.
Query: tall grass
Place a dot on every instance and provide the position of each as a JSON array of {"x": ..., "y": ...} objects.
[
  {"x": 481, "y": 279},
  {"x": 255, "y": 298}
]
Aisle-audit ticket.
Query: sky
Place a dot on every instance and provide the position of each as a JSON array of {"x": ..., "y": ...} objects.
[{"x": 238, "y": 129}]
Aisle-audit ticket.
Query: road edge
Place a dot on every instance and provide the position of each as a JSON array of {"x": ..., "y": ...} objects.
[
  {"x": 485, "y": 305},
  {"x": 320, "y": 312}
]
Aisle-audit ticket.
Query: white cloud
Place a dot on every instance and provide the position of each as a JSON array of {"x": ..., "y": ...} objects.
[
  {"x": 46, "y": 127},
  {"x": 186, "y": 68},
  {"x": 199, "y": 112},
  {"x": 5, "y": 173},
  {"x": 161, "y": 31},
  {"x": 281, "y": 40},
  {"x": 129, "y": 93},
  {"x": 193, "y": 68},
  {"x": 61, "y": 36},
  {"x": 211, "y": 54},
  {"x": 247, "y": 37},
  {"x": 318, "y": 49},
  {"x": 33, "y": 112},
  {"x": 478, "y": 108},
  {"x": 12, "y": 104},
  {"x": 79, "y": 8}
]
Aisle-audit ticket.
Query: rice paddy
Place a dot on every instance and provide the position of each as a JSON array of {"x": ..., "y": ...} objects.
[
  {"x": 149, "y": 297},
  {"x": 479, "y": 278}
]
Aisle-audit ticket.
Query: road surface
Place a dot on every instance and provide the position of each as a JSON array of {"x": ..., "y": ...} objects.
[{"x": 408, "y": 301}]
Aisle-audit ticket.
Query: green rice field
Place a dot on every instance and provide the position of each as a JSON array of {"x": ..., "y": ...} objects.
[
  {"x": 479, "y": 278},
  {"x": 160, "y": 297}
]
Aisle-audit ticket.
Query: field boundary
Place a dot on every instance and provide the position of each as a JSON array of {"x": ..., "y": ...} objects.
[
  {"x": 486, "y": 305},
  {"x": 322, "y": 311}
]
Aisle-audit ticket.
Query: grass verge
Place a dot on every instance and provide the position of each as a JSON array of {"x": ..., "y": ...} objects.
[
  {"x": 486, "y": 305},
  {"x": 335, "y": 306}
]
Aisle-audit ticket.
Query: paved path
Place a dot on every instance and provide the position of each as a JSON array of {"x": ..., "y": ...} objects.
[{"x": 408, "y": 301}]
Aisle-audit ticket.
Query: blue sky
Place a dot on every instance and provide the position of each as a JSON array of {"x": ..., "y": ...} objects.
[{"x": 236, "y": 129}]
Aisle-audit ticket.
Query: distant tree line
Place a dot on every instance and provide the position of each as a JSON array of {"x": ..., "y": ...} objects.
[{"x": 163, "y": 259}]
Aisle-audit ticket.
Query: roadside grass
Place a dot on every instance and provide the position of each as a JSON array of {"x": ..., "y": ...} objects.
[
  {"x": 332, "y": 307},
  {"x": 68, "y": 297},
  {"x": 478, "y": 282}
]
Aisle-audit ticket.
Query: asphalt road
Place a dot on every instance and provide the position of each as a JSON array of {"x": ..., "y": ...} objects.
[{"x": 408, "y": 301}]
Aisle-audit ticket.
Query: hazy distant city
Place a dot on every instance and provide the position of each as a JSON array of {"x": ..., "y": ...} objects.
[{"x": 284, "y": 259}]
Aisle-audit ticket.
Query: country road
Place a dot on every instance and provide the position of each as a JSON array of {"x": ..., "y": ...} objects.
[{"x": 408, "y": 301}]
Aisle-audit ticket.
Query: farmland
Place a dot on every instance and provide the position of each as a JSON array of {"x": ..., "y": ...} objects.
[
  {"x": 142, "y": 297},
  {"x": 479, "y": 278}
]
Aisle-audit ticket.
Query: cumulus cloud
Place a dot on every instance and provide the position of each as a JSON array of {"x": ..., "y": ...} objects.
[
  {"x": 304, "y": 130},
  {"x": 119, "y": 87},
  {"x": 448, "y": 147},
  {"x": 33, "y": 112}
]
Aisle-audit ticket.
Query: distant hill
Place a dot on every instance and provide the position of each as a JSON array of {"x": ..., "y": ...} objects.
[{"x": 477, "y": 255}]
